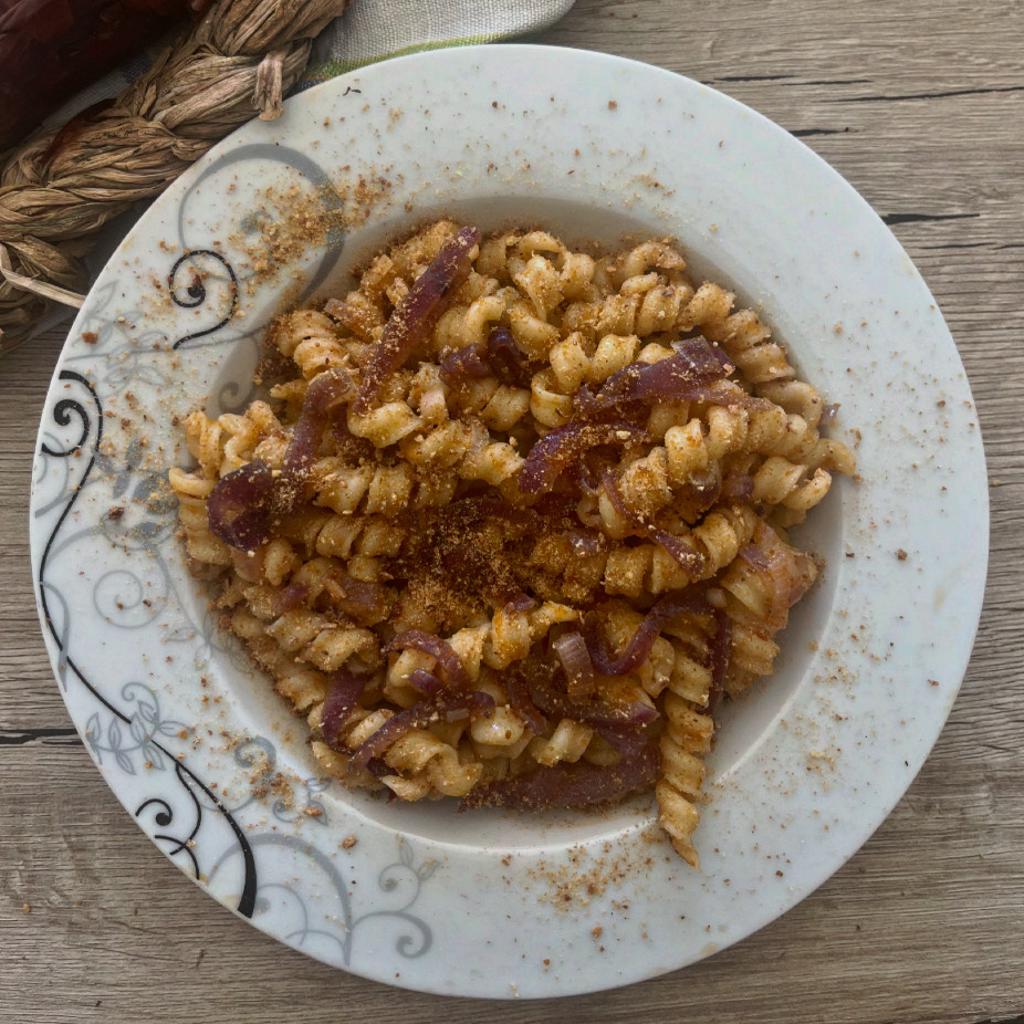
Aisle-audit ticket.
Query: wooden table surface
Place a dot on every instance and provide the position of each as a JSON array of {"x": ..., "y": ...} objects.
[{"x": 921, "y": 106}]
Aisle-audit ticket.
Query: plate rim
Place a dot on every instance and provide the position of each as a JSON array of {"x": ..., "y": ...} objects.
[{"x": 975, "y": 598}]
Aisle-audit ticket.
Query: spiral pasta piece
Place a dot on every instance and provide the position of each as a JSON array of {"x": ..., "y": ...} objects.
[{"x": 683, "y": 746}]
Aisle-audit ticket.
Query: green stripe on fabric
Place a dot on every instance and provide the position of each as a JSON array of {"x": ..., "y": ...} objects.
[{"x": 333, "y": 68}]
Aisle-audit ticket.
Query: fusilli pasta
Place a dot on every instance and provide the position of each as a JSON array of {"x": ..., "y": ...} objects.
[{"x": 514, "y": 523}]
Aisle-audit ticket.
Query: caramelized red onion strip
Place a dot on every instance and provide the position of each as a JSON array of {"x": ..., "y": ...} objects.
[
  {"x": 521, "y": 602},
  {"x": 450, "y": 707},
  {"x": 449, "y": 664},
  {"x": 325, "y": 391},
  {"x": 786, "y": 574},
  {"x": 754, "y": 557},
  {"x": 415, "y": 316},
  {"x": 738, "y": 487},
  {"x": 721, "y": 651},
  {"x": 555, "y": 452},
  {"x": 640, "y": 643},
  {"x": 686, "y": 556},
  {"x": 572, "y": 652},
  {"x": 507, "y": 360},
  {"x": 345, "y": 689},
  {"x": 366, "y": 602},
  {"x": 596, "y": 712},
  {"x": 627, "y": 740},
  {"x": 425, "y": 682},
  {"x": 499, "y": 357},
  {"x": 290, "y": 597},
  {"x": 239, "y": 506},
  {"x": 569, "y": 785},
  {"x": 462, "y": 364},
  {"x": 522, "y": 704},
  {"x": 244, "y": 503},
  {"x": 693, "y": 373}
]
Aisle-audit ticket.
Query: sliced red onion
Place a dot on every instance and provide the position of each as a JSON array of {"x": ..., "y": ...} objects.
[
  {"x": 355, "y": 448},
  {"x": 588, "y": 479},
  {"x": 243, "y": 503},
  {"x": 594, "y": 712},
  {"x": 688, "y": 558},
  {"x": 704, "y": 360},
  {"x": 754, "y": 557},
  {"x": 828, "y": 415},
  {"x": 555, "y": 452},
  {"x": 585, "y": 543},
  {"x": 640, "y": 643},
  {"x": 239, "y": 506},
  {"x": 415, "y": 316},
  {"x": 462, "y": 364},
  {"x": 290, "y": 597},
  {"x": 419, "y": 716},
  {"x": 569, "y": 785},
  {"x": 694, "y": 373},
  {"x": 449, "y": 664},
  {"x": 521, "y": 602},
  {"x": 425, "y": 682},
  {"x": 610, "y": 483},
  {"x": 507, "y": 360},
  {"x": 342, "y": 696},
  {"x": 721, "y": 650},
  {"x": 627, "y": 740},
  {"x": 572, "y": 652},
  {"x": 738, "y": 487},
  {"x": 521, "y": 703},
  {"x": 685, "y": 555},
  {"x": 325, "y": 391},
  {"x": 787, "y": 573},
  {"x": 367, "y": 603}
]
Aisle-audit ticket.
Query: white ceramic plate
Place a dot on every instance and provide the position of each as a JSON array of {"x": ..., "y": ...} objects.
[{"x": 493, "y": 904}]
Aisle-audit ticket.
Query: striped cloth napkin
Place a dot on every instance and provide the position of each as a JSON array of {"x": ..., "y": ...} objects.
[{"x": 372, "y": 30}]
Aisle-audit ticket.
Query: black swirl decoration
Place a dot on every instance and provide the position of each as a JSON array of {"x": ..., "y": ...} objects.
[
  {"x": 62, "y": 414},
  {"x": 165, "y": 817},
  {"x": 194, "y": 293}
]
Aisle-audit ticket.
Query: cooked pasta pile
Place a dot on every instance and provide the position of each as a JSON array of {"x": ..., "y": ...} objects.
[{"x": 516, "y": 521}]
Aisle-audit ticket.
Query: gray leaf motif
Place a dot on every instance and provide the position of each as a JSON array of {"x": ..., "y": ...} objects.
[
  {"x": 426, "y": 869},
  {"x": 93, "y": 729},
  {"x": 152, "y": 754},
  {"x": 137, "y": 728},
  {"x": 147, "y": 711},
  {"x": 144, "y": 726},
  {"x": 150, "y": 374},
  {"x": 405, "y": 854}
]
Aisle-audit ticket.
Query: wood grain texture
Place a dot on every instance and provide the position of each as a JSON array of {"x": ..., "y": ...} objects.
[{"x": 921, "y": 106}]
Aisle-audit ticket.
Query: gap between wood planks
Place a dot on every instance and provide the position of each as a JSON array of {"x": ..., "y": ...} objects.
[{"x": 62, "y": 737}]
